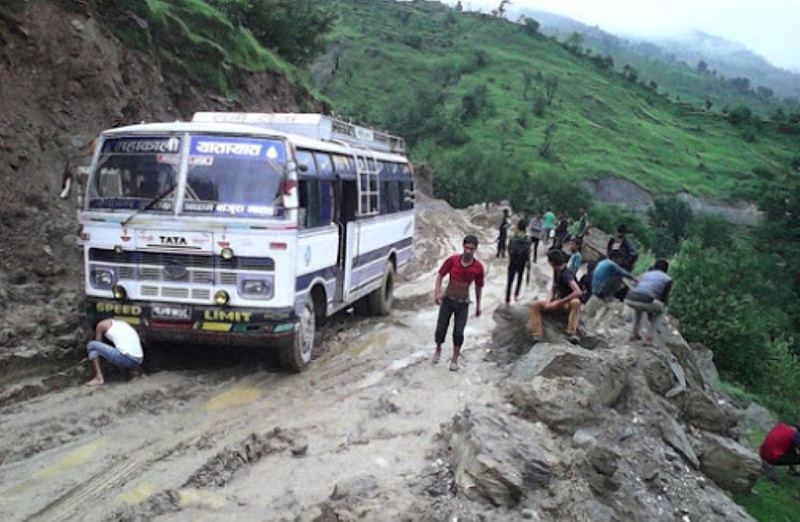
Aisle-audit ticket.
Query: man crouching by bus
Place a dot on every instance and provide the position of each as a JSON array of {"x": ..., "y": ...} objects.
[
  {"x": 124, "y": 352},
  {"x": 463, "y": 270}
]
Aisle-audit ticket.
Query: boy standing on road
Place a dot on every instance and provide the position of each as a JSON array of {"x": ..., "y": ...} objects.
[
  {"x": 463, "y": 269},
  {"x": 124, "y": 352}
]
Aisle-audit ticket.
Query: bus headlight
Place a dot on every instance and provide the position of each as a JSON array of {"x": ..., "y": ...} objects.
[
  {"x": 221, "y": 298},
  {"x": 226, "y": 253},
  {"x": 257, "y": 288},
  {"x": 102, "y": 278},
  {"x": 120, "y": 293}
]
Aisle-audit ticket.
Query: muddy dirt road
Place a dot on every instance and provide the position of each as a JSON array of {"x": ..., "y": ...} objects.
[{"x": 215, "y": 439}]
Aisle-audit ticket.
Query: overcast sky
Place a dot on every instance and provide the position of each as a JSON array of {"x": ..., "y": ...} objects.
[{"x": 770, "y": 28}]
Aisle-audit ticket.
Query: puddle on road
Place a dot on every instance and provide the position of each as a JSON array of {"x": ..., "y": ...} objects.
[
  {"x": 238, "y": 395},
  {"x": 73, "y": 459},
  {"x": 379, "y": 339},
  {"x": 138, "y": 494},
  {"x": 374, "y": 378},
  {"x": 197, "y": 498}
]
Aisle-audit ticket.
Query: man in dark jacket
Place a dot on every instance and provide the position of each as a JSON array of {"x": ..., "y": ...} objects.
[{"x": 623, "y": 244}]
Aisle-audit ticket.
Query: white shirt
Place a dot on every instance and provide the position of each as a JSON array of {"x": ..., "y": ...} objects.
[{"x": 125, "y": 339}]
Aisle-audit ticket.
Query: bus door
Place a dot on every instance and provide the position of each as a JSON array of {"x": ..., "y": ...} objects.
[{"x": 347, "y": 204}]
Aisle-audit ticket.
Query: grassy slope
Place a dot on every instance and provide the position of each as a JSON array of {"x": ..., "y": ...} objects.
[{"x": 607, "y": 126}]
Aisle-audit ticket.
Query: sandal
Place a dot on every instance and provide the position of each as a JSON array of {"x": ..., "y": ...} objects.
[
  {"x": 436, "y": 358},
  {"x": 453, "y": 367}
]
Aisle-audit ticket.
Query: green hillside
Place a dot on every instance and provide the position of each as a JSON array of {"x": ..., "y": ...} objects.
[{"x": 455, "y": 84}]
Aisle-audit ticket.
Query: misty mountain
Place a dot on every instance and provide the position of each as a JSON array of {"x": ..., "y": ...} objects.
[{"x": 721, "y": 57}]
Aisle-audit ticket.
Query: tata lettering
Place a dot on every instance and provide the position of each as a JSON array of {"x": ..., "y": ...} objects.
[{"x": 173, "y": 240}]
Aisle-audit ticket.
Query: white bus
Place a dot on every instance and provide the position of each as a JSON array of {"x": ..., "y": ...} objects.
[{"x": 245, "y": 229}]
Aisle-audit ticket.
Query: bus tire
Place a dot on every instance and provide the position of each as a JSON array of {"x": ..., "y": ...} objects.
[
  {"x": 380, "y": 301},
  {"x": 297, "y": 353}
]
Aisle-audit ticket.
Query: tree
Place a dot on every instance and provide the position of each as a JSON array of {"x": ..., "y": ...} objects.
[
  {"x": 708, "y": 103},
  {"x": 295, "y": 29},
  {"x": 574, "y": 42},
  {"x": 545, "y": 149},
  {"x": 670, "y": 218},
  {"x": 550, "y": 87},
  {"x": 531, "y": 26},
  {"x": 702, "y": 67},
  {"x": 629, "y": 73}
]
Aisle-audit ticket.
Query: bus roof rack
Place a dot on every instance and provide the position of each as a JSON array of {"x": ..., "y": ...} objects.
[{"x": 317, "y": 126}]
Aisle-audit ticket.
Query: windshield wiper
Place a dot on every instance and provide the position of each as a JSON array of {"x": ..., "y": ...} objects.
[{"x": 149, "y": 205}]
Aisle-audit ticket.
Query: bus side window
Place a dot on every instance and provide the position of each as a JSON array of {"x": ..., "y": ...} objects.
[
  {"x": 309, "y": 202},
  {"x": 325, "y": 202}
]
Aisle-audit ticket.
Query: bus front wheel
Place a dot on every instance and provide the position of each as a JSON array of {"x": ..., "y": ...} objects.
[
  {"x": 297, "y": 354},
  {"x": 380, "y": 301}
]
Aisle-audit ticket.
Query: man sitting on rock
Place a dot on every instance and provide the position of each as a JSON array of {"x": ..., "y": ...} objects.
[
  {"x": 780, "y": 447},
  {"x": 565, "y": 296},
  {"x": 124, "y": 352}
]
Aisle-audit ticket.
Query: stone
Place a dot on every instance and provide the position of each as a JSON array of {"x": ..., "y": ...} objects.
[
  {"x": 704, "y": 359},
  {"x": 674, "y": 435},
  {"x": 754, "y": 417},
  {"x": 496, "y": 457},
  {"x": 565, "y": 404},
  {"x": 729, "y": 464},
  {"x": 607, "y": 373},
  {"x": 77, "y": 24},
  {"x": 510, "y": 337},
  {"x": 701, "y": 410},
  {"x": 657, "y": 372}
]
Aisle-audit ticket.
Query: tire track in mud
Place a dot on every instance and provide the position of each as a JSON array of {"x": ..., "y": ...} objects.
[{"x": 330, "y": 376}]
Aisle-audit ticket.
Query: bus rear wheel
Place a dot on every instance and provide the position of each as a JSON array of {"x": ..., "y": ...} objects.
[
  {"x": 296, "y": 354},
  {"x": 380, "y": 301}
]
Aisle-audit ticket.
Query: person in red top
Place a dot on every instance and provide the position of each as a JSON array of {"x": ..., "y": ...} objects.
[
  {"x": 463, "y": 269},
  {"x": 780, "y": 447}
]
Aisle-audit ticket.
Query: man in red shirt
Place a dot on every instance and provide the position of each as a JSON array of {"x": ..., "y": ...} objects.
[
  {"x": 780, "y": 447},
  {"x": 463, "y": 270}
]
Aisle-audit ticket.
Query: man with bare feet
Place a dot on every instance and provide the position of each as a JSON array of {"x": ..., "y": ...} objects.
[
  {"x": 124, "y": 352},
  {"x": 463, "y": 270}
]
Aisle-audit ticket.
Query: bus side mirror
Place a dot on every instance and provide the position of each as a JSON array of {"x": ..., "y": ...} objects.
[{"x": 290, "y": 197}]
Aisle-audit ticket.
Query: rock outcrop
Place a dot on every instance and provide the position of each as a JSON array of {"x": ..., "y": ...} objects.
[{"x": 605, "y": 431}]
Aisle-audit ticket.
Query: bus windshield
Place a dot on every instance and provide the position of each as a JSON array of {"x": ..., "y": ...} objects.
[
  {"x": 131, "y": 172},
  {"x": 234, "y": 176}
]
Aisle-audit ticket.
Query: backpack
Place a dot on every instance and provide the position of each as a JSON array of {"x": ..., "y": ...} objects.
[{"x": 519, "y": 252}]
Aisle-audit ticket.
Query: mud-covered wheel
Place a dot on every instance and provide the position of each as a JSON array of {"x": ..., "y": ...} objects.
[
  {"x": 296, "y": 354},
  {"x": 380, "y": 301}
]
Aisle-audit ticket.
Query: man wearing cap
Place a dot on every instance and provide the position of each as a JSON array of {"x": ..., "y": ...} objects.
[{"x": 463, "y": 269}]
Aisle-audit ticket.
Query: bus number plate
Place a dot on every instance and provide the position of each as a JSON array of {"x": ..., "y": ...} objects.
[{"x": 175, "y": 313}]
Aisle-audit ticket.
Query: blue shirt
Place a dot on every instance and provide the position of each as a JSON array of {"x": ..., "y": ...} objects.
[
  {"x": 574, "y": 263},
  {"x": 606, "y": 269}
]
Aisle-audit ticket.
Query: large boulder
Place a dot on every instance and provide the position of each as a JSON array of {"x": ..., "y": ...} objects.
[
  {"x": 565, "y": 404},
  {"x": 497, "y": 457},
  {"x": 729, "y": 464},
  {"x": 702, "y": 411},
  {"x": 607, "y": 372},
  {"x": 757, "y": 417}
]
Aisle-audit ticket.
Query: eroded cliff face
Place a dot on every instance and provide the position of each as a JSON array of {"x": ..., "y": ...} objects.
[{"x": 63, "y": 78}]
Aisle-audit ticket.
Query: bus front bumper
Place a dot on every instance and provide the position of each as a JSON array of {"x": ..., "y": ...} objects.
[{"x": 199, "y": 324}]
